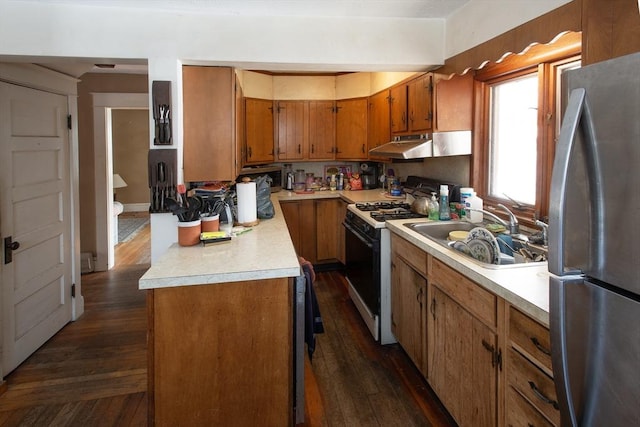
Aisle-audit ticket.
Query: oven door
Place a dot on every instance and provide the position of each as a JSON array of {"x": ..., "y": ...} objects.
[{"x": 363, "y": 268}]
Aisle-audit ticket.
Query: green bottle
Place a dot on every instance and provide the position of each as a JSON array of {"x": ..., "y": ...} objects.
[{"x": 434, "y": 208}]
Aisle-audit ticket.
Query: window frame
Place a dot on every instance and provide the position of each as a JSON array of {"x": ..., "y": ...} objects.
[{"x": 545, "y": 60}]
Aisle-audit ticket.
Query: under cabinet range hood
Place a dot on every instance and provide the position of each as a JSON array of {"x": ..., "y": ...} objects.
[{"x": 438, "y": 144}]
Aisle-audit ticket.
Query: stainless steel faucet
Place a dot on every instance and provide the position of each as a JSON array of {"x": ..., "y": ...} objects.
[
  {"x": 545, "y": 231},
  {"x": 513, "y": 226}
]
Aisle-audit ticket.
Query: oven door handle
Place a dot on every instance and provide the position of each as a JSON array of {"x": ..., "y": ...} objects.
[{"x": 359, "y": 236}]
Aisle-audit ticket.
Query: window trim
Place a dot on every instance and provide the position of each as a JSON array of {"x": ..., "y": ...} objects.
[{"x": 545, "y": 60}]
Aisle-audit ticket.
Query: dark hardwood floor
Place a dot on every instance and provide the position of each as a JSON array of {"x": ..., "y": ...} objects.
[{"x": 93, "y": 372}]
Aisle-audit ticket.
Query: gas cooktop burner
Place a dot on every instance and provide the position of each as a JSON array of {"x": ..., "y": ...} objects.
[
  {"x": 382, "y": 216},
  {"x": 376, "y": 206}
]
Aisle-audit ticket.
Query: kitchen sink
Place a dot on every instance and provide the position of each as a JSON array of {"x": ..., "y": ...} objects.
[{"x": 515, "y": 254}]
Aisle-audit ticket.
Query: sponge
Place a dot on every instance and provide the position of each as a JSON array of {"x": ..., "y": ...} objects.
[{"x": 495, "y": 228}]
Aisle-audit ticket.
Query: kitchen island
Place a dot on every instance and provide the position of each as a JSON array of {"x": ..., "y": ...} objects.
[{"x": 220, "y": 344}]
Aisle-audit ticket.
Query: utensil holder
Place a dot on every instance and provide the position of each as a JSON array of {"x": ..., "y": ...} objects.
[
  {"x": 189, "y": 233},
  {"x": 210, "y": 223}
]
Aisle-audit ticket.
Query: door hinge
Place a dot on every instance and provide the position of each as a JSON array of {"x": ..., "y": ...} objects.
[
  {"x": 73, "y": 290},
  {"x": 496, "y": 354},
  {"x": 69, "y": 121}
]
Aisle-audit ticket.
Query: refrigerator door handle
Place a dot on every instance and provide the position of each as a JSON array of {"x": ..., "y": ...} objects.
[{"x": 577, "y": 113}]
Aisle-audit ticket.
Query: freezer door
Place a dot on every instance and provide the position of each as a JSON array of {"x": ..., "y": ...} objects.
[
  {"x": 596, "y": 179},
  {"x": 595, "y": 339}
]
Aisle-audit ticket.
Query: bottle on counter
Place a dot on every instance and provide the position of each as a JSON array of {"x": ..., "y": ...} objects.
[
  {"x": 445, "y": 214},
  {"x": 333, "y": 184},
  {"x": 340, "y": 183},
  {"x": 434, "y": 208},
  {"x": 476, "y": 203}
]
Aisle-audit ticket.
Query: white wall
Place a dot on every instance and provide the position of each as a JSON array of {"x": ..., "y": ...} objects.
[{"x": 481, "y": 20}]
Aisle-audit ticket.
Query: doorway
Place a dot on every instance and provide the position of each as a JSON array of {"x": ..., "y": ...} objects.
[{"x": 103, "y": 106}]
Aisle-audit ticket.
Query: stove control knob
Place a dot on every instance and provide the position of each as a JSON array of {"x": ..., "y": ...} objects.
[{"x": 366, "y": 228}]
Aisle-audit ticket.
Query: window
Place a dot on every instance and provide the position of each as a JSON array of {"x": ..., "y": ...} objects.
[
  {"x": 513, "y": 132},
  {"x": 518, "y": 113}
]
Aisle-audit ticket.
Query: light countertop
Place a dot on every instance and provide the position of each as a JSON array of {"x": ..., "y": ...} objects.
[
  {"x": 527, "y": 288},
  {"x": 265, "y": 252}
]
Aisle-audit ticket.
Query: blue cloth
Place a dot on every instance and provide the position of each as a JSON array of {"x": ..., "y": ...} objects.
[
  {"x": 505, "y": 243},
  {"x": 312, "y": 318}
]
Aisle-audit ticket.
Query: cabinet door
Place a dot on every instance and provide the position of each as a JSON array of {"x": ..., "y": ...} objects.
[
  {"x": 322, "y": 130},
  {"x": 408, "y": 292},
  {"x": 293, "y": 129},
  {"x": 241, "y": 115},
  {"x": 209, "y": 129},
  {"x": 301, "y": 222},
  {"x": 328, "y": 222},
  {"x": 259, "y": 125},
  {"x": 454, "y": 103},
  {"x": 342, "y": 213},
  {"x": 462, "y": 362},
  {"x": 420, "y": 106},
  {"x": 351, "y": 127},
  {"x": 379, "y": 121},
  {"x": 398, "y": 108}
]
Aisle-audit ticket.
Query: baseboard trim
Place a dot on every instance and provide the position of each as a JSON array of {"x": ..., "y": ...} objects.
[{"x": 136, "y": 207}]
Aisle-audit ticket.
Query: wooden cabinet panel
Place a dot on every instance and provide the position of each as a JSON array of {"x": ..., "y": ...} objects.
[
  {"x": 531, "y": 337},
  {"x": 453, "y": 103},
  {"x": 240, "y": 139},
  {"x": 408, "y": 294},
  {"x": 481, "y": 303},
  {"x": 301, "y": 222},
  {"x": 212, "y": 354},
  {"x": 535, "y": 385},
  {"x": 328, "y": 225},
  {"x": 379, "y": 120},
  {"x": 610, "y": 29},
  {"x": 399, "y": 97},
  {"x": 322, "y": 130},
  {"x": 419, "y": 104},
  {"x": 209, "y": 123},
  {"x": 413, "y": 255},
  {"x": 259, "y": 131},
  {"x": 342, "y": 212},
  {"x": 293, "y": 129},
  {"x": 519, "y": 413},
  {"x": 462, "y": 367},
  {"x": 351, "y": 129}
]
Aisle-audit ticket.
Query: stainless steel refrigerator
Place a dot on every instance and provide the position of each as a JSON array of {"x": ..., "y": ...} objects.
[{"x": 594, "y": 260}]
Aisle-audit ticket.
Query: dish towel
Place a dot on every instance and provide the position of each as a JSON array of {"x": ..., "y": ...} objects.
[{"x": 312, "y": 318}]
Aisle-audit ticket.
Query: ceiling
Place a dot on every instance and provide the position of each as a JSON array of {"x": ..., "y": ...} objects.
[
  {"x": 350, "y": 8},
  {"x": 327, "y": 8}
]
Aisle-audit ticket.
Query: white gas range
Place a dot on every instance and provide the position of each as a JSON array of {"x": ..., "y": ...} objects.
[{"x": 368, "y": 262}]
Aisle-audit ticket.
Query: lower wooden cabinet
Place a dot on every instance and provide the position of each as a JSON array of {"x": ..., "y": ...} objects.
[
  {"x": 463, "y": 361},
  {"x": 531, "y": 393},
  {"x": 220, "y": 354},
  {"x": 315, "y": 228},
  {"x": 488, "y": 362}
]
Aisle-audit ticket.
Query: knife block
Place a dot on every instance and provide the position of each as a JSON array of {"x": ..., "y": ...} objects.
[
  {"x": 162, "y": 178},
  {"x": 161, "y": 96}
]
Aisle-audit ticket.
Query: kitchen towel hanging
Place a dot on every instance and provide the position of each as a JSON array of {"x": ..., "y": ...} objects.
[{"x": 247, "y": 204}]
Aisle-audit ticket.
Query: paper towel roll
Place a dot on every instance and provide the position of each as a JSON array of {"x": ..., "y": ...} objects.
[{"x": 247, "y": 204}]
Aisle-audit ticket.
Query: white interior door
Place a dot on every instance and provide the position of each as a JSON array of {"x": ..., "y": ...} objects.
[{"x": 35, "y": 213}]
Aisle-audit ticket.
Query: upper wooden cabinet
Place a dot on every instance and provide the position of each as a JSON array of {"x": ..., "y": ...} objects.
[
  {"x": 378, "y": 120},
  {"x": 411, "y": 106},
  {"x": 293, "y": 129},
  {"x": 351, "y": 129},
  {"x": 322, "y": 130},
  {"x": 209, "y": 124},
  {"x": 259, "y": 131},
  {"x": 453, "y": 102}
]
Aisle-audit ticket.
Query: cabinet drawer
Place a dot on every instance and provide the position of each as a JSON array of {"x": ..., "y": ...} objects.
[
  {"x": 531, "y": 336},
  {"x": 469, "y": 294},
  {"x": 412, "y": 254},
  {"x": 521, "y": 414},
  {"x": 534, "y": 384}
]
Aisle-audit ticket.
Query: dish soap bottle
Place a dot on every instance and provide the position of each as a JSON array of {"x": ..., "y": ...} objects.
[
  {"x": 444, "y": 203},
  {"x": 434, "y": 209}
]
